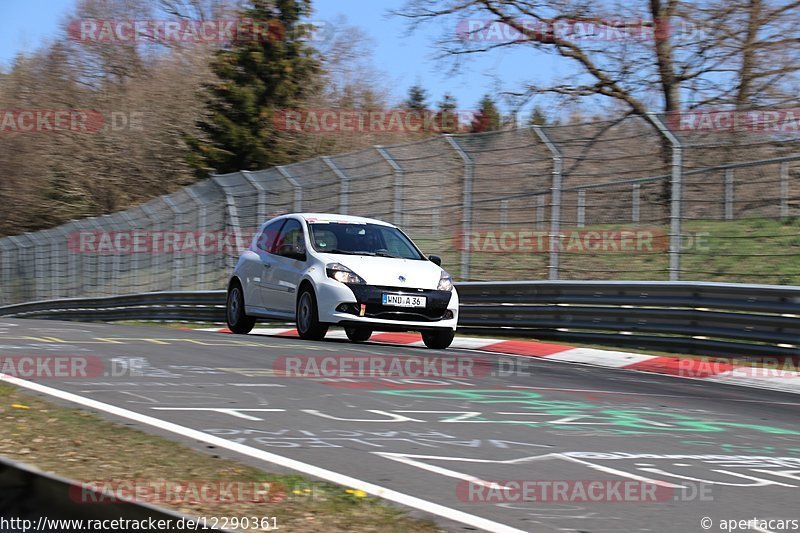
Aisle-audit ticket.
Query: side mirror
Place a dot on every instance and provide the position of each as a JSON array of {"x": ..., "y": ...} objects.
[{"x": 435, "y": 259}]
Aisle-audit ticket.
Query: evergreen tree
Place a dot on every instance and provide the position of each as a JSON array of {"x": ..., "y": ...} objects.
[
  {"x": 488, "y": 117},
  {"x": 417, "y": 98},
  {"x": 446, "y": 117},
  {"x": 257, "y": 80},
  {"x": 538, "y": 118}
]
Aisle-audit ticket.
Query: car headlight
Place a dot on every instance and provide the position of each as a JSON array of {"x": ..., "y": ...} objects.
[
  {"x": 342, "y": 274},
  {"x": 445, "y": 282}
]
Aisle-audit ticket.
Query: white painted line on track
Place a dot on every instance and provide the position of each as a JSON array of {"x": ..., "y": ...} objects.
[{"x": 305, "y": 468}]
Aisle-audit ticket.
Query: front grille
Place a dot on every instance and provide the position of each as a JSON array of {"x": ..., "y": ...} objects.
[{"x": 435, "y": 309}]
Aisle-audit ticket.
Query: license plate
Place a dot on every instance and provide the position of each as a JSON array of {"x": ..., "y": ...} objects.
[{"x": 404, "y": 300}]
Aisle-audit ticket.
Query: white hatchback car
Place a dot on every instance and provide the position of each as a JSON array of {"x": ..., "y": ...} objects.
[{"x": 363, "y": 274}]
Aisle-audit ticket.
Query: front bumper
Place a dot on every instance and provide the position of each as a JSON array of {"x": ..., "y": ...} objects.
[{"x": 362, "y": 305}]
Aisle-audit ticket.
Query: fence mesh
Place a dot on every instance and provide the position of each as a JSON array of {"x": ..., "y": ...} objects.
[{"x": 604, "y": 200}]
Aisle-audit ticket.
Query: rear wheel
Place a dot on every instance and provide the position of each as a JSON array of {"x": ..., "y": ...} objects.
[
  {"x": 438, "y": 340},
  {"x": 238, "y": 321},
  {"x": 358, "y": 334},
  {"x": 308, "y": 324}
]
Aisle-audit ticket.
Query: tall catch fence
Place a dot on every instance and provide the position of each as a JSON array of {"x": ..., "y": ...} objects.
[{"x": 641, "y": 198}]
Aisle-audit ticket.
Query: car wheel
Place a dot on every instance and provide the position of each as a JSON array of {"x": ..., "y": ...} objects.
[
  {"x": 358, "y": 334},
  {"x": 307, "y": 317},
  {"x": 238, "y": 321},
  {"x": 438, "y": 340}
]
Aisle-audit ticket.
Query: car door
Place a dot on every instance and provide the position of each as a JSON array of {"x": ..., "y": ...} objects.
[
  {"x": 289, "y": 264},
  {"x": 259, "y": 286}
]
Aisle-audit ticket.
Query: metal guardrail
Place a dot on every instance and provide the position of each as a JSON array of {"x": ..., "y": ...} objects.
[
  {"x": 688, "y": 317},
  {"x": 30, "y": 494}
]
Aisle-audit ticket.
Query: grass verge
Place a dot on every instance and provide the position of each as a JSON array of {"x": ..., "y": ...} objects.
[{"x": 86, "y": 448}]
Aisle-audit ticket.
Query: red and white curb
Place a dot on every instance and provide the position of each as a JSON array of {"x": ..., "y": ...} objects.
[{"x": 709, "y": 369}]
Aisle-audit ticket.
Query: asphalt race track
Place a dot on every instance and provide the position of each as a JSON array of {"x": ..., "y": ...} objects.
[{"x": 710, "y": 450}]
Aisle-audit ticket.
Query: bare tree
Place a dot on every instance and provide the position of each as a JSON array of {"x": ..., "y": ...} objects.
[{"x": 648, "y": 55}]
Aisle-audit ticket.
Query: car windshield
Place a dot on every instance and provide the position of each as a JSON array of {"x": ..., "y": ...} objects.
[{"x": 362, "y": 239}]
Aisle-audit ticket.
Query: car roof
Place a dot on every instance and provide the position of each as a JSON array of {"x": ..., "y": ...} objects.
[{"x": 334, "y": 217}]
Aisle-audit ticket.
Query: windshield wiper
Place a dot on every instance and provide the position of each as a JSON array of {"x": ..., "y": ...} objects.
[
  {"x": 345, "y": 252},
  {"x": 386, "y": 254}
]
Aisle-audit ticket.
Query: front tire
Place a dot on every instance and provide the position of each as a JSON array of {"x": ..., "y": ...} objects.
[
  {"x": 438, "y": 340},
  {"x": 307, "y": 317},
  {"x": 358, "y": 334},
  {"x": 238, "y": 321}
]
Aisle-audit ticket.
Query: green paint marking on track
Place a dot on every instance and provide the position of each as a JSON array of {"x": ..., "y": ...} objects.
[{"x": 578, "y": 415}]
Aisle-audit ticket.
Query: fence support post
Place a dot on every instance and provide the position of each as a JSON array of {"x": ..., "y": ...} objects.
[
  {"x": 555, "y": 199},
  {"x": 177, "y": 269},
  {"x": 233, "y": 218},
  {"x": 784, "y": 190},
  {"x": 344, "y": 185},
  {"x": 134, "y": 255},
  {"x": 202, "y": 225},
  {"x": 466, "y": 212},
  {"x": 262, "y": 195},
  {"x": 298, "y": 189},
  {"x": 636, "y": 194},
  {"x": 5, "y": 271},
  {"x": 154, "y": 221},
  {"x": 399, "y": 184},
  {"x": 675, "y": 201},
  {"x": 729, "y": 194},
  {"x": 581, "y": 222}
]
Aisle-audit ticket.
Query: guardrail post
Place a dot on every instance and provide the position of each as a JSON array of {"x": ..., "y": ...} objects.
[
  {"x": 636, "y": 199},
  {"x": 675, "y": 201},
  {"x": 784, "y": 190},
  {"x": 399, "y": 184},
  {"x": 344, "y": 185},
  {"x": 298, "y": 189},
  {"x": 202, "y": 224},
  {"x": 466, "y": 212},
  {"x": 581, "y": 222},
  {"x": 555, "y": 199},
  {"x": 729, "y": 194}
]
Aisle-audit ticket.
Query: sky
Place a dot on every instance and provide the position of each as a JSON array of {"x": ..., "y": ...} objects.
[{"x": 405, "y": 59}]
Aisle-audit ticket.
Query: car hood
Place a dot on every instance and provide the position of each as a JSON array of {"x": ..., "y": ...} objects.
[{"x": 386, "y": 271}]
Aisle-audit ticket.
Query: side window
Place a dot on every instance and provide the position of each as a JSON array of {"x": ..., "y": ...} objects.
[
  {"x": 266, "y": 238},
  {"x": 290, "y": 241}
]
